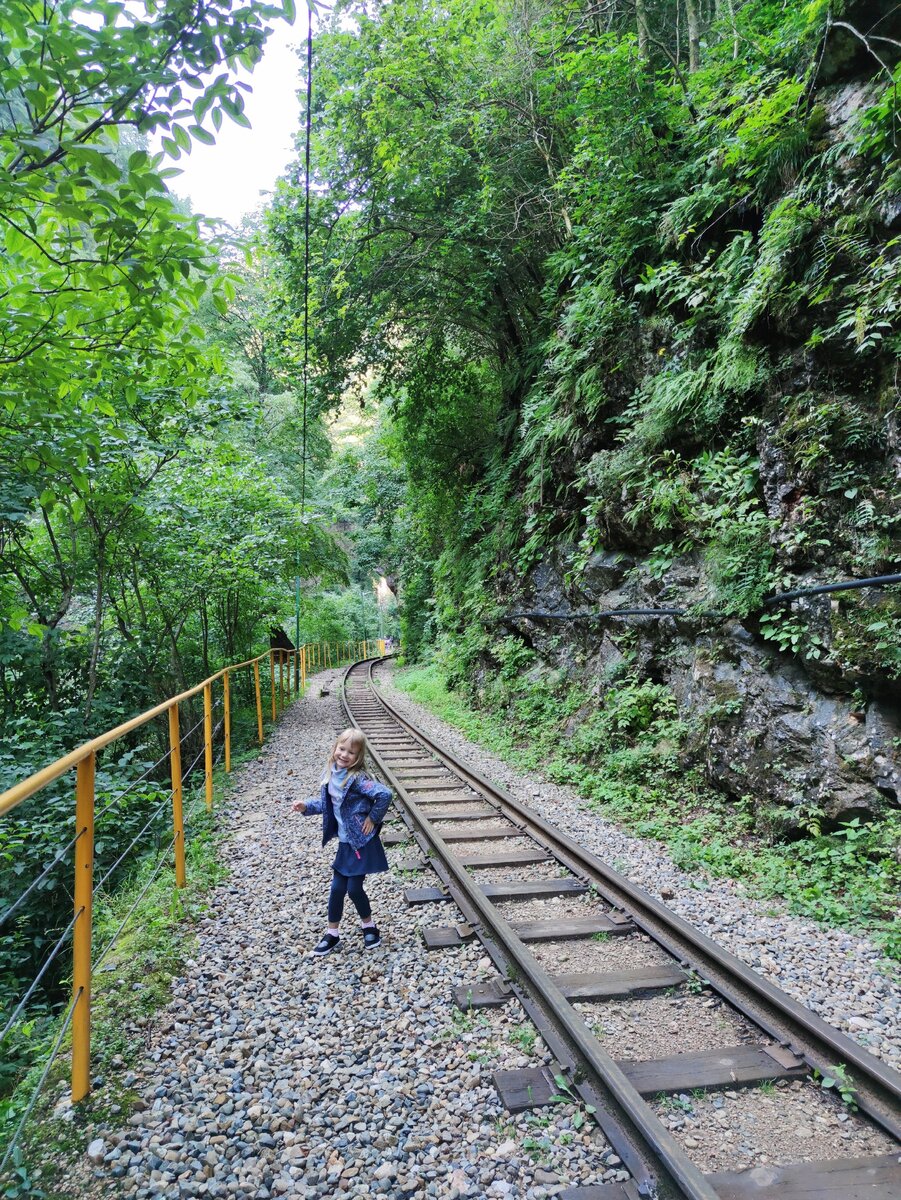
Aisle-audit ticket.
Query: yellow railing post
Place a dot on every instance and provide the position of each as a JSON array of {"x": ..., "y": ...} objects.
[
  {"x": 208, "y": 743},
  {"x": 303, "y": 669},
  {"x": 272, "y": 680},
  {"x": 281, "y": 678},
  {"x": 227, "y": 720},
  {"x": 178, "y": 819},
  {"x": 81, "y": 936},
  {"x": 259, "y": 699}
]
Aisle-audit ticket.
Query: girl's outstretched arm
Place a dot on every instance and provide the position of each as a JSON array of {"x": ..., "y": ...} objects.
[{"x": 308, "y": 807}]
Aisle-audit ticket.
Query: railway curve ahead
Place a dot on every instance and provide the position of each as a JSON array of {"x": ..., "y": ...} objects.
[{"x": 458, "y": 825}]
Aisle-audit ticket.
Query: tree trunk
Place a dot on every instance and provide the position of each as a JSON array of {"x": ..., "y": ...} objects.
[
  {"x": 725, "y": 12},
  {"x": 641, "y": 17},
  {"x": 693, "y": 25},
  {"x": 205, "y": 633},
  {"x": 98, "y": 628}
]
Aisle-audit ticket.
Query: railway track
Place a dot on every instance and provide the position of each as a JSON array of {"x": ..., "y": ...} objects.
[{"x": 463, "y": 827}]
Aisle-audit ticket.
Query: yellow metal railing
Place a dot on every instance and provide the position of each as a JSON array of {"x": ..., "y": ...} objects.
[{"x": 288, "y": 671}]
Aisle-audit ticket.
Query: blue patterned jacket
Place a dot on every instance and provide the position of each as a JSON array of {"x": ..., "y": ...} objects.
[{"x": 363, "y": 797}]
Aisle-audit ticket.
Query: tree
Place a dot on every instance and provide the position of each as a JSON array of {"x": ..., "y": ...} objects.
[{"x": 102, "y": 272}]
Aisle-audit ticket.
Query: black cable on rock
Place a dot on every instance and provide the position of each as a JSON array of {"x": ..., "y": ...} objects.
[{"x": 769, "y": 602}]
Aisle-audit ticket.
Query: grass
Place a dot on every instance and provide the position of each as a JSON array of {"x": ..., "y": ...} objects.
[
  {"x": 629, "y": 758},
  {"x": 523, "y": 1036},
  {"x": 130, "y": 987}
]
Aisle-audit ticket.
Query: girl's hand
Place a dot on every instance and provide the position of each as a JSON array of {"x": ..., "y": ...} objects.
[
  {"x": 299, "y": 806},
  {"x": 368, "y": 826}
]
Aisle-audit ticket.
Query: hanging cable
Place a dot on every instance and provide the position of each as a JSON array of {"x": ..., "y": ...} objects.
[{"x": 306, "y": 257}]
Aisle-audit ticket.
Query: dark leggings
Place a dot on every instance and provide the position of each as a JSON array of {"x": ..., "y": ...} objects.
[{"x": 347, "y": 885}]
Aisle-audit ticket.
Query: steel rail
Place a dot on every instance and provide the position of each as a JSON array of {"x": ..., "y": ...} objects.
[
  {"x": 818, "y": 1044},
  {"x": 651, "y": 1141}
]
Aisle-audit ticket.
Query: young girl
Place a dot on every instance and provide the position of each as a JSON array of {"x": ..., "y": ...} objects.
[{"x": 353, "y": 807}]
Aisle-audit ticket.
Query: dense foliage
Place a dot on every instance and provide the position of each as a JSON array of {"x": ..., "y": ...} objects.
[
  {"x": 595, "y": 279},
  {"x": 601, "y": 261},
  {"x": 150, "y": 435},
  {"x": 623, "y": 281}
]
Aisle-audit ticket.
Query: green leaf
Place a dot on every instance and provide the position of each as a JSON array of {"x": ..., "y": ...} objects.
[
  {"x": 199, "y": 134},
  {"x": 182, "y": 139}
]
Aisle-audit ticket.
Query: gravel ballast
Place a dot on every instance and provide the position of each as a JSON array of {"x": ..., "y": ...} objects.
[
  {"x": 274, "y": 1073},
  {"x": 837, "y": 974}
]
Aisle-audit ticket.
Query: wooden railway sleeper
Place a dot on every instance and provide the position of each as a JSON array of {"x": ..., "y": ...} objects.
[
  {"x": 513, "y": 958},
  {"x": 766, "y": 1005}
]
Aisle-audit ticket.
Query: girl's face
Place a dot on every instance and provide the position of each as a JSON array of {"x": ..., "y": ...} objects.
[{"x": 344, "y": 755}]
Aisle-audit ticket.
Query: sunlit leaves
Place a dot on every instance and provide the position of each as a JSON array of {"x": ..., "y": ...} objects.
[{"x": 102, "y": 270}]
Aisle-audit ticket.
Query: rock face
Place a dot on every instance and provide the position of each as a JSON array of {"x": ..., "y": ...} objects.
[{"x": 764, "y": 724}]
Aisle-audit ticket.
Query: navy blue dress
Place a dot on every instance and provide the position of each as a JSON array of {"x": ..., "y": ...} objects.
[{"x": 368, "y": 861}]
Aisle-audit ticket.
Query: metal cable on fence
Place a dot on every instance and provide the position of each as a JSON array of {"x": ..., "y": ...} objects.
[
  {"x": 152, "y": 767},
  {"x": 40, "y": 975},
  {"x": 43, "y": 1079},
  {"x": 134, "y": 841},
  {"x": 182, "y": 737},
  {"x": 36, "y": 882},
  {"x": 134, "y": 783},
  {"x": 143, "y": 892},
  {"x": 164, "y": 804},
  {"x": 4, "y": 917}
]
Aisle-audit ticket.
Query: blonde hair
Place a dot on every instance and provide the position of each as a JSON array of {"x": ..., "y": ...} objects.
[{"x": 356, "y": 742}]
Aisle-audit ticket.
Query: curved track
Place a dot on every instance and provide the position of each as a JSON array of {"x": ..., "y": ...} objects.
[{"x": 444, "y": 802}]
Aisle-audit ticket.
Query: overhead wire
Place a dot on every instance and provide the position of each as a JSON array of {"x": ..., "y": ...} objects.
[{"x": 306, "y": 258}]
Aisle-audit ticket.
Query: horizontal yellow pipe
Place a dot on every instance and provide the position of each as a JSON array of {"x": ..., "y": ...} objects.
[{"x": 28, "y": 787}]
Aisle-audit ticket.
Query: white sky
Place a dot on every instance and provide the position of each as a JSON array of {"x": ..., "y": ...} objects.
[{"x": 226, "y": 180}]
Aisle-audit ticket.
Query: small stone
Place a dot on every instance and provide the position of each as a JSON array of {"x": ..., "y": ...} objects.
[{"x": 96, "y": 1150}]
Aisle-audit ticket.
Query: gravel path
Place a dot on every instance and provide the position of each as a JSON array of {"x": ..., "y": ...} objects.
[
  {"x": 273, "y": 1073},
  {"x": 839, "y": 975}
]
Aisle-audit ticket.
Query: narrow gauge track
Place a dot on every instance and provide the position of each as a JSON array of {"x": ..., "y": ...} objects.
[{"x": 435, "y": 788}]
